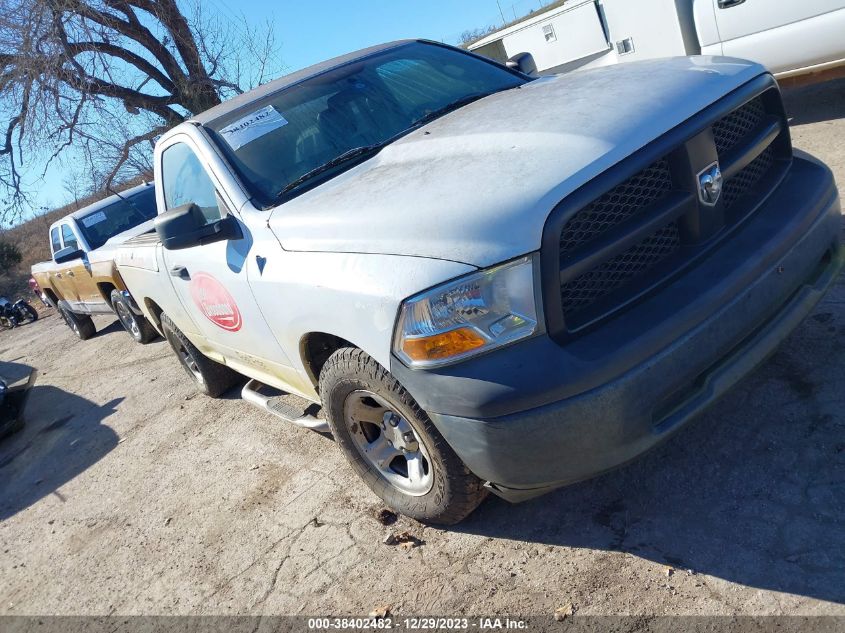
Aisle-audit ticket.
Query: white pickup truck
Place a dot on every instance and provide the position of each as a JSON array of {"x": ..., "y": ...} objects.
[
  {"x": 790, "y": 38},
  {"x": 479, "y": 281}
]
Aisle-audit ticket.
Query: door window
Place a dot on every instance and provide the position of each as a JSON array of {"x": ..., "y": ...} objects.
[
  {"x": 68, "y": 237},
  {"x": 55, "y": 241},
  {"x": 184, "y": 181}
]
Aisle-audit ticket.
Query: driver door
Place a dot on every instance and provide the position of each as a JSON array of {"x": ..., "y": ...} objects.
[
  {"x": 78, "y": 278},
  {"x": 211, "y": 279},
  {"x": 783, "y": 35},
  {"x": 61, "y": 277}
]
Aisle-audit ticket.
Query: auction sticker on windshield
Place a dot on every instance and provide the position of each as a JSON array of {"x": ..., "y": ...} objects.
[
  {"x": 253, "y": 126},
  {"x": 215, "y": 302},
  {"x": 94, "y": 218}
]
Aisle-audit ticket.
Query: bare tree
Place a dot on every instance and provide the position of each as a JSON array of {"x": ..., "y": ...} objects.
[
  {"x": 473, "y": 35},
  {"x": 106, "y": 77}
]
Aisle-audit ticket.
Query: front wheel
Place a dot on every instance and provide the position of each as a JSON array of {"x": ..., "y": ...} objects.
[
  {"x": 136, "y": 326},
  {"x": 391, "y": 442}
]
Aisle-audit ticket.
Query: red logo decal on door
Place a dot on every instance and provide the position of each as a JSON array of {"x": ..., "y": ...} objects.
[{"x": 215, "y": 302}]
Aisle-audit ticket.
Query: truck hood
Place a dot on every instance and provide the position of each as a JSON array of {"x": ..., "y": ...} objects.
[{"x": 477, "y": 185}]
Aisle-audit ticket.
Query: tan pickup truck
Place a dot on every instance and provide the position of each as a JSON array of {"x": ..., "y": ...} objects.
[{"x": 81, "y": 279}]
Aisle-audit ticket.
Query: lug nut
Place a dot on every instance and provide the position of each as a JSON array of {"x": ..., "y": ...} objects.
[{"x": 394, "y": 420}]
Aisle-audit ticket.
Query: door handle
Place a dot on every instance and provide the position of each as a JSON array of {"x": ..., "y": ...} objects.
[
  {"x": 181, "y": 272},
  {"x": 727, "y": 4}
]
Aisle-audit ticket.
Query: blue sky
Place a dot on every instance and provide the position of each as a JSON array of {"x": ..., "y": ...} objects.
[
  {"x": 341, "y": 26},
  {"x": 311, "y": 32}
]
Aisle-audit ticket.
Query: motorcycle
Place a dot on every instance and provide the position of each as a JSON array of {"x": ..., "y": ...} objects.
[{"x": 15, "y": 314}]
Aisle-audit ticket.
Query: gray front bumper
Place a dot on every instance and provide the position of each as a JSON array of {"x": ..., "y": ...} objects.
[{"x": 754, "y": 289}]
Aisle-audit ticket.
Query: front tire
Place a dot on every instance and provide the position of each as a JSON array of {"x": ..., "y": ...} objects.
[
  {"x": 391, "y": 442},
  {"x": 136, "y": 326},
  {"x": 80, "y": 325},
  {"x": 210, "y": 377}
]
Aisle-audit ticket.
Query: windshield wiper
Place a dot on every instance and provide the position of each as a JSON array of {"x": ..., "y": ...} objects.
[
  {"x": 460, "y": 103},
  {"x": 345, "y": 157}
]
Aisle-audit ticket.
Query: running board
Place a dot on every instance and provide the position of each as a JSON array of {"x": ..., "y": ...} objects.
[{"x": 285, "y": 406}]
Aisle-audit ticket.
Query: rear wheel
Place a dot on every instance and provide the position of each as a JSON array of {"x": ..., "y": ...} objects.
[
  {"x": 137, "y": 326},
  {"x": 391, "y": 442},
  {"x": 81, "y": 325},
  {"x": 210, "y": 377}
]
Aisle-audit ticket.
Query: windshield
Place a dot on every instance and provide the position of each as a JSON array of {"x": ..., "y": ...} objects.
[
  {"x": 101, "y": 225},
  {"x": 276, "y": 141}
]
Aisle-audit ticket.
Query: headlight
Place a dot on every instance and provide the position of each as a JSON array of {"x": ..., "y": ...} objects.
[{"x": 467, "y": 316}]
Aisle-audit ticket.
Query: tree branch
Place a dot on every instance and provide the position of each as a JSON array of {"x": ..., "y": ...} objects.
[
  {"x": 127, "y": 148},
  {"x": 113, "y": 50}
]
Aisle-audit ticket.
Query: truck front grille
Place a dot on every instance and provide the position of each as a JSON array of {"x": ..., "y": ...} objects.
[
  {"x": 733, "y": 128},
  {"x": 745, "y": 180},
  {"x": 614, "y": 273},
  {"x": 617, "y": 205},
  {"x": 617, "y": 247}
]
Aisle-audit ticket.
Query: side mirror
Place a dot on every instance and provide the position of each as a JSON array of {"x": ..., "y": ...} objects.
[
  {"x": 524, "y": 63},
  {"x": 186, "y": 226},
  {"x": 68, "y": 254}
]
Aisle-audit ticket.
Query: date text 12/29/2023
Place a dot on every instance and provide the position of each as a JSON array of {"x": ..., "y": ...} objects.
[{"x": 418, "y": 623}]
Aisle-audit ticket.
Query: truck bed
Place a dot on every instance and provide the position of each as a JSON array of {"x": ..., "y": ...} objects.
[{"x": 139, "y": 252}]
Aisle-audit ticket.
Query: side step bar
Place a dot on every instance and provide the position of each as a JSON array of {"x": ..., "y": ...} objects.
[{"x": 285, "y": 406}]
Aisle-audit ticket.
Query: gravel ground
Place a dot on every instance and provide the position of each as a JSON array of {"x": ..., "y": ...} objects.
[{"x": 127, "y": 494}]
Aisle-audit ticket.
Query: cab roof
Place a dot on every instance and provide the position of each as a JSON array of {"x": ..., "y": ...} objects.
[
  {"x": 227, "y": 107},
  {"x": 105, "y": 202}
]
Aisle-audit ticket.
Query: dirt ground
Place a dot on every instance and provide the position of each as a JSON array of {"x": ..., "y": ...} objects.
[{"x": 127, "y": 494}]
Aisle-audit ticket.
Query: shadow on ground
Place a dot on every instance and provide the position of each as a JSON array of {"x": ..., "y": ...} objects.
[
  {"x": 111, "y": 328},
  {"x": 63, "y": 435},
  {"x": 823, "y": 101},
  {"x": 752, "y": 492}
]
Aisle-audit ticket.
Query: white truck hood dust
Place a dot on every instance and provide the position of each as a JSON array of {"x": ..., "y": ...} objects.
[{"x": 477, "y": 185}]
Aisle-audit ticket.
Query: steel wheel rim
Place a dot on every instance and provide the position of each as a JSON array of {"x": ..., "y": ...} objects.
[
  {"x": 388, "y": 443},
  {"x": 190, "y": 363},
  {"x": 127, "y": 319}
]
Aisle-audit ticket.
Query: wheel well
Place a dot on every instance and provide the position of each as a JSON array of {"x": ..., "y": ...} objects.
[
  {"x": 106, "y": 290},
  {"x": 155, "y": 311},
  {"x": 315, "y": 349},
  {"x": 51, "y": 296}
]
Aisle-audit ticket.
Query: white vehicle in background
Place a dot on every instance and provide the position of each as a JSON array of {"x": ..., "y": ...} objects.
[
  {"x": 788, "y": 37},
  {"x": 477, "y": 280}
]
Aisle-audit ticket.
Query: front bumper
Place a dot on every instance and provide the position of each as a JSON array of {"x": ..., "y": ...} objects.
[
  {"x": 537, "y": 415},
  {"x": 16, "y": 381}
]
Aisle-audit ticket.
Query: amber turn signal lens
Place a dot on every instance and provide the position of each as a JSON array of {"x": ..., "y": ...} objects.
[{"x": 443, "y": 345}]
